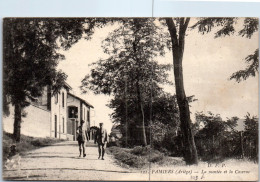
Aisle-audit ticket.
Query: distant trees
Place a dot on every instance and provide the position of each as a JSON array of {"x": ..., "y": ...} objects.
[
  {"x": 217, "y": 139},
  {"x": 251, "y": 136}
]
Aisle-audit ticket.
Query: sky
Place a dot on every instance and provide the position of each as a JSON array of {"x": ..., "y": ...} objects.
[{"x": 207, "y": 65}]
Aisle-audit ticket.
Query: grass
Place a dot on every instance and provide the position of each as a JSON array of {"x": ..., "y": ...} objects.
[
  {"x": 26, "y": 143},
  {"x": 137, "y": 157}
]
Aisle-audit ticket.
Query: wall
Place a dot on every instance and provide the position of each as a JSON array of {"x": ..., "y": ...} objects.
[
  {"x": 36, "y": 123},
  {"x": 59, "y": 114},
  {"x": 85, "y": 110},
  {"x": 82, "y": 115}
]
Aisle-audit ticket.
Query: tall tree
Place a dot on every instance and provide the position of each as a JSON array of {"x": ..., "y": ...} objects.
[
  {"x": 177, "y": 28},
  {"x": 31, "y": 56},
  {"x": 131, "y": 49}
]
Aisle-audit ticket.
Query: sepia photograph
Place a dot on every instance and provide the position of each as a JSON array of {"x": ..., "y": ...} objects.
[{"x": 139, "y": 99}]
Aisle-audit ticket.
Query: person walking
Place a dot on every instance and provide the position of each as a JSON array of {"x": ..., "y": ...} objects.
[
  {"x": 101, "y": 140},
  {"x": 81, "y": 138}
]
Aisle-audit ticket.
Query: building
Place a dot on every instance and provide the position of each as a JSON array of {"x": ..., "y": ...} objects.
[
  {"x": 78, "y": 109},
  {"x": 58, "y": 109},
  {"x": 52, "y": 115}
]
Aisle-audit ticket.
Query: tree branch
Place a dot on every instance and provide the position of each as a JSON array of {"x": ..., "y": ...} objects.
[{"x": 173, "y": 31}]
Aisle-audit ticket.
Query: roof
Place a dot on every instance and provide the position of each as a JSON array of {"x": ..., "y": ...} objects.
[
  {"x": 66, "y": 85},
  {"x": 82, "y": 100}
]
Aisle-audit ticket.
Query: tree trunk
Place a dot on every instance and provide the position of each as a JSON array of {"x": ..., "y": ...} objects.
[
  {"x": 139, "y": 97},
  {"x": 190, "y": 152},
  {"x": 242, "y": 146},
  {"x": 141, "y": 112},
  {"x": 17, "y": 122},
  {"x": 126, "y": 115}
]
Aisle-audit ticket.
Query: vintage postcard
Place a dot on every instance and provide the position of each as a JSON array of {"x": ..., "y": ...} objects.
[{"x": 142, "y": 99}]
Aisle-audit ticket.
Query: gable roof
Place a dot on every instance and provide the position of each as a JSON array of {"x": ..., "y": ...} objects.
[
  {"x": 67, "y": 86},
  {"x": 82, "y": 100}
]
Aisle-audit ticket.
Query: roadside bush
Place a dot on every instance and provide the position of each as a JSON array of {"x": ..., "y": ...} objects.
[
  {"x": 125, "y": 156},
  {"x": 115, "y": 143},
  {"x": 155, "y": 157},
  {"x": 138, "y": 156},
  {"x": 139, "y": 150},
  {"x": 26, "y": 143}
]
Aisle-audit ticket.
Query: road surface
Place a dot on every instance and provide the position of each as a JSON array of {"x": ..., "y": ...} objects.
[{"x": 61, "y": 162}]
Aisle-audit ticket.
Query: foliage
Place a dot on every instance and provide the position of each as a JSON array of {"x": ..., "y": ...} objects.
[
  {"x": 155, "y": 157},
  {"x": 31, "y": 56},
  {"x": 131, "y": 50},
  {"x": 250, "y": 26},
  {"x": 130, "y": 74},
  {"x": 126, "y": 157},
  {"x": 251, "y": 136},
  {"x": 27, "y": 143},
  {"x": 137, "y": 157},
  {"x": 139, "y": 150},
  {"x": 253, "y": 63},
  {"x": 217, "y": 139}
]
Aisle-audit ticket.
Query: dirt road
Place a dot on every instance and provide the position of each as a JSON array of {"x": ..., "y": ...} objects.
[{"x": 61, "y": 162}]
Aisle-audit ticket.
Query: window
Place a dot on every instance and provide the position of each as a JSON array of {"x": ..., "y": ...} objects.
[
  {"x": 88, "y": 116},
  {"x": 56, "y": 98},
  {"x": 63, "y": 125},
  {"x": 73, "y": 112},
  {"x": 62, "y": 99},
  {"x": 84, "y": 115}
]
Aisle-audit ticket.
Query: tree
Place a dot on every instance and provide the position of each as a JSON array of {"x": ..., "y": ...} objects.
[
  {"x": 250, "y": 26},
  {"x": 216, "y": 138},
  {"x": 177, "y": 32},
  {"x": 131, "y": 49},
  {"x": 177, "y": 28},
  {"x": 31, "y": 56},
  {"x": 251, "y": 136},
  {"x": 253, "y": 63}
]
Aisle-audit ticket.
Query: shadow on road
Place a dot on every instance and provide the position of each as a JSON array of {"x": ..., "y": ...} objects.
[
  {"x": 68, "y": 157},
  {"x": 88, "y": 144},
  {"x": 71, "y": 169},
  {"x": 21, "y": 177}
]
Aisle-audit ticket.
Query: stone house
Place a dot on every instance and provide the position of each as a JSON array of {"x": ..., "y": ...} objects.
[{"x": 50, "y": 115}]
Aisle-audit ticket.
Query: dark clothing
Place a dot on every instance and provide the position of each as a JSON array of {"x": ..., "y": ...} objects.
[
  {"x": 101, "y": 150},
  {"x": 101, "y": 138},
  {"x": 81, "y": 134},
  {"x": 82, "y": 145},
  {"x": 81, "y": 140}
]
